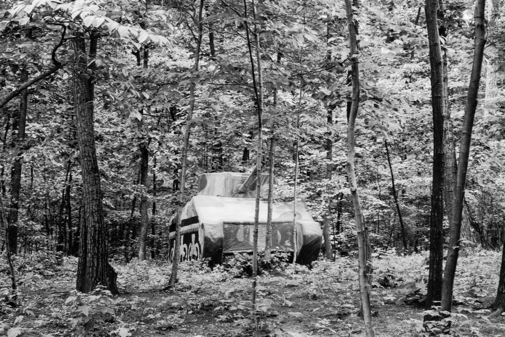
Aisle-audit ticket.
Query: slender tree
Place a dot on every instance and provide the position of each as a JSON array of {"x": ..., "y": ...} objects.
[
  {"x": 144, "y": 169},
  {"x": 351, "y": 172},
  {"x": 185, "y": 146},
  {"x": 464, "y": 154},
  {"x": 258, "y": 98},
  {"x": 268, "y": 239},
  {"x": 438, "y": 103},
  {"x": 395, "y": 197}
]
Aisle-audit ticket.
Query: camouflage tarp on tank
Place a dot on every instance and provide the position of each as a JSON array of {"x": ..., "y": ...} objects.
[{"x": 226, "y": 223}]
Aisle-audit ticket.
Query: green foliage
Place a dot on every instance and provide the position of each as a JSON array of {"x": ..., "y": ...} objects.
[
  {"x": 240, "y": 264},
  {"x": 319, "y": 301},
  {"x": 91, "y": 312}
]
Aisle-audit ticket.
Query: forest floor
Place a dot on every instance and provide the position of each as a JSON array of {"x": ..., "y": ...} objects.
[{"x": 292, "y": 301}]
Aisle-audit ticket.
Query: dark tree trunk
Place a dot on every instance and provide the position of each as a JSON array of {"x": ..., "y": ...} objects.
[
  {"x": 144, "y": 217},
  {"x": 329, "y": 170},
  {"x": 93, "y": 267},
  {"x": 70, "y": 239},
  {"x": 144, "y": 167},
  {"x": 438, "y": 102},
  {"x": 499, "y": 302},
  {"x": 153, "y": 224},
  {"x": 395, "y": 196},
  {"x": 464, "y": 154},
  {"x": 19, "y": 125}
]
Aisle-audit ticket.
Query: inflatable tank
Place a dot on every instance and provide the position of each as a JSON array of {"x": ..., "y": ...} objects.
[{"x": 219, "y": 220}]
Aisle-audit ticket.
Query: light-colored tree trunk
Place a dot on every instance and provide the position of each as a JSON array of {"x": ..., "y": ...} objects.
[
  {"x": 464, "y": 154},
  {"x": 364, "y": 285},
  {"x": 258, "y": 90},
  {"x": 268, "y": 242}
]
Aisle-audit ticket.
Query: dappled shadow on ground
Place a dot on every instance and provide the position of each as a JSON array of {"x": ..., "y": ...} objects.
[{"x": 291, "y": 301}]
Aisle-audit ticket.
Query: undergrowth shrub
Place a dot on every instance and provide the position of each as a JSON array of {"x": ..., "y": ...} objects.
[
  {"x": 241, "y": 265},
  {"x": 94, "y": 314}
]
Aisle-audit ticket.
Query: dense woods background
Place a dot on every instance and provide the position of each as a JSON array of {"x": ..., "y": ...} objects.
[{"x": 119, "y": 78}]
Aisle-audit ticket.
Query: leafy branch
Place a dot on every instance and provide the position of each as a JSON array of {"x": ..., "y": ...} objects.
[{"x": 57, "y": 66}]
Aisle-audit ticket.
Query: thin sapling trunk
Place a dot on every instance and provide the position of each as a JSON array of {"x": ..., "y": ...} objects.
[
  {"x": 351, "y": 171},
  {"x": 258, "y": 90},
  {"x": 182, "y": 178},
  {"x": 395, "y": 196}
]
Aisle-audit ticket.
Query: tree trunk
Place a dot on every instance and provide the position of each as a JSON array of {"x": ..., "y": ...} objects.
[
  {"x": 19, "y": 125},
  {"x": 258, "y": 90},
  {"x": 364, "y": 285},
  {"x": 395, "y": 196},
  {"x": 438, "y": 102},
  {"x": 464, "y": 154},
  {"x": 144, "y": 216},
  {"x": 93, "y": 267},
  {"x": 185, "y": 146},
  {"x": 499, "y": 302},
  {"x": 70, "y": 239},
  {"x": 144, "y": 168},
  {"x": 268, "y": 242},
  {"x": 153, "y": 223},
  {"x": 329, "y": 170},
  {"x": 12, "y": 271}
]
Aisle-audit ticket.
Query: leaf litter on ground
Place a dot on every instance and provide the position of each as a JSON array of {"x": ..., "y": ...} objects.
[{"x": 321, "y": 301}]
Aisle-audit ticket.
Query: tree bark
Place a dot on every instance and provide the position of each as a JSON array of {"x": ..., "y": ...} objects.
[
  {"x": 93, "y": 267},
  {"x": 19, "y": 125},
  {"x": 144, "y": 168},
  {"x": 464, "y": 154},
  {"x": 144, "y": 216},
  {"x": 329, "y": 170},
  {"x": 499, "y": 302},
  {"x": 4, "y": 222},
  {"x": 438, "y": 102},
  {"x": 268, "y": 243},
  {"x": 364, "y": 285}
]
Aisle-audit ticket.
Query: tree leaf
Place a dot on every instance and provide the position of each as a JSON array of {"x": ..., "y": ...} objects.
[
  {"x": 84, "y": 309},
  {"x": 88, "y": 20},
  {"x": 29, "y": 8},
  {"x": 123, "y": 31},
  {"x": 98, "y": 22},
  {"x": 14, "y": 332},
  {"x": 135, "y": 115},
  {"x": 112, "y": 25},
  {"x": 124, "y": 332}
]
